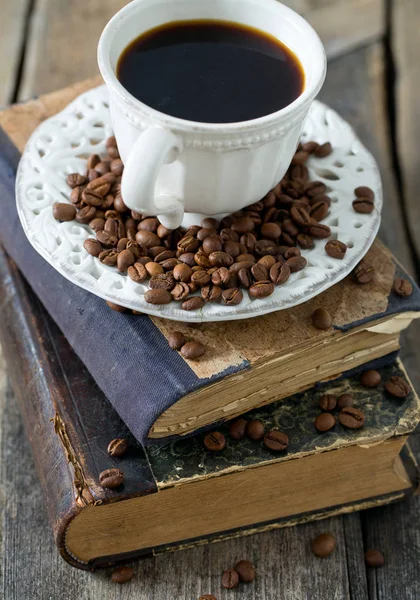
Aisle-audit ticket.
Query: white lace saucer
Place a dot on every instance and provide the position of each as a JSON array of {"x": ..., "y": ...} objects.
[{"x": 61, "y": 144}]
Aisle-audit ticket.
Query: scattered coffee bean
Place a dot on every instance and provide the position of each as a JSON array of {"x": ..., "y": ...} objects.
[
  {"x": 345, "y": 400},
  {"x": 255, "y": 430},
  {"x": 111, "y": 478},
  {"x": 374, "y": 558},
  {"x": 324, "y": 422},
  {"x": 245, "y": 570},
  {"x": 176, "y": 340},
  {"x": 351, "y": 417},
  {"x": 193, "y": 350},
  {"x": 321, "y": 318},
  {"x": 116, "y": 307},
  {"x": 237, "y": 429},
  {"x": 402, "y": 287},
  {"x": 207, "y": 597},
  {"x": 215, "y": 441},
  {"x": 371, "y": 378},
  {"x": 64, "y": 212},
  {"x": 230, "y": 579},
  {"x": 364, "y": 192},
  {"x": 327, "y": 402},
  {"x": 323, "y": 545},
  {"x": 397, "y": 386},
  {"x": 117, "y": 447},
  {"x": 364, "y": 273},
  {"x": 277, "y": 441},
  {"x": 335, "y": 249},
  {"x": 363, "y": 205},
  {"x": 122, "y": 575}
]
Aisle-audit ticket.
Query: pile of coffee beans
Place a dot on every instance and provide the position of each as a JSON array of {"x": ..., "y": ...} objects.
[
  {"x": 350, "y": 417},
  {"x": 254, "y": 249},
  {"x": 243, "y": 572}
]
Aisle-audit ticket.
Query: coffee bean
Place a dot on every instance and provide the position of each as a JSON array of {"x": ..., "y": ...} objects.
[
  {"x": 323, "y": 150},
  {"x": 305, "y": 241},
  {"x": 102, "y": 167},
  {"x": 237, "y": 429},
  {"x": 261, "y": 289},
  {"x": 220, "y": 259},
  {"x": 319, "y": 231},
  {"x": 300, "y": 216},
  {"x": 137, "y": 272},
  {"x": 212, "y": 244},
  {"x": 255, "y": 430},
  {"x": 232, "y": 296},
  {"x": 108, "y": 258},
  {"x": 230, "y": 579},
  {"x": 75, "y": 179},
  {"x": 374, "y": 558},
  {"x": 116, "y": 307},
  {"x": 324, "y": 422},
  {"x": 402, "y": 287},
  {"x": 314, "y": 188},
  {"x": 117, "y": 167},
  {"x": 335, "y": 249},
  {"x": 243, "y": 225},
  {"x": 280, "y": 273},
  {"x": 117, "y": 447},
  {"x": 321, "y": 318},
  {"x": 157, "y": 296},
  {"x": 193, "y": 350},
  {"x": 259, "y": 272},
  {"x": 397, "y": 386},
  {"x": 200, "y": 278},
  {"x": 319, "y": 211},
  {"x": 271, "y": 231},
  {"x": 232, "y": 248},
  {"x": 264, "y": 247},
  {"x": 182, "y": 272},
  {"x": 93, "y": 160},
  {"x": 209, "y": 223},
  {"x": 363, "y": 205},
  {"x": 327, "y": 402},
  {"x": 364, "y": 192},
  {"x": 296, "y": 263},
  {"x": 125, "y": 259},
  {"x": 345, "y": 400},
  {"x": 245, "y": 570},
  {"x": 122, "y": 575},
  {"x": 249, "y": 240},
  {"x": 207, "y": 597},
  {"x": 149, "y": 224},
  {"x": 99, "y": 187},
  {"x": 153, "y": 269},
  {"x": 323, "y": 545},
  {"x": 211, "y": 293},
  {"x": 215, "y": 441},
  {"x": 310, "y": 147},
  {"x": 276, "y": 441},
  {"x": 267, "y": 261},
  {"x": 245, "y": 278},
  {"x": 176, "y": 340},
  {"x": 97, "y": 224},
  {"x": 111, "y": 478},
  {"x": 371, "y": 378},
  {"x": 351, "y": 417},
  {"x": 193, "y": 303},
  {"x": 363, "y": 273},
  {"x": 162, "y": 281},
  {"x": 108, "y": 240},
  {"x": 180, "y": 292},
  {"x": 147, "y": 238},
  {"x": 92, "y": 246},
  {"x": 63, "y": 212}
]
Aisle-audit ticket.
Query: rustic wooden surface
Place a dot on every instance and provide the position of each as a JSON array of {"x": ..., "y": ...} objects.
[{"x": 46, "y": 44}]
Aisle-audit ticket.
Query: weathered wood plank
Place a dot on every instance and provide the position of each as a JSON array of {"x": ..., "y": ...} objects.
[
  {"x": 61, "y": 48},
  {"x": 12, "y": 29},
  {"x": 406, "y": 51}
]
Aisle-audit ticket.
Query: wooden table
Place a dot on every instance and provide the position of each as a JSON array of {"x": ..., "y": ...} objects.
[{"x": 374, "y": 51}]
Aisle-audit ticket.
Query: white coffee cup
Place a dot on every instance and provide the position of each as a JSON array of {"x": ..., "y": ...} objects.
[{"x": 173, "y": 165}]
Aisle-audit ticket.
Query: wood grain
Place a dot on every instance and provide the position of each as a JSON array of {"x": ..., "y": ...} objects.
[
  {"x": 406, "y": 50},
  {"x": 12, "y": 29}
]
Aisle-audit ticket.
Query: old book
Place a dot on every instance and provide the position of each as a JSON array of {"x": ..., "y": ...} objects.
[
  {"x": 248, "y": 364},
  {"x": 178, "y": 494}
]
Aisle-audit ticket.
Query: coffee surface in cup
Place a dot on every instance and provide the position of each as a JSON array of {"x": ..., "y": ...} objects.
[{"x": 211, "y": 71}]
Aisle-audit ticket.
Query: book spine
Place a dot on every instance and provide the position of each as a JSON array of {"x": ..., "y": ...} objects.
[{"x": 33, "y": 371}]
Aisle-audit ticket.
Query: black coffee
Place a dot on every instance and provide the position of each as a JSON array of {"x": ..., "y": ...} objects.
[{"x": 211, "y": 71}]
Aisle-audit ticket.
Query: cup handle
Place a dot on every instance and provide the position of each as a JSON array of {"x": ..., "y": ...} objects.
[{"x": 154, "y": 148}]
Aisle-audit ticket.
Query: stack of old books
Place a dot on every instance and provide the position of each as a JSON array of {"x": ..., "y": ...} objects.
[{"x": 278, "y": 370}]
